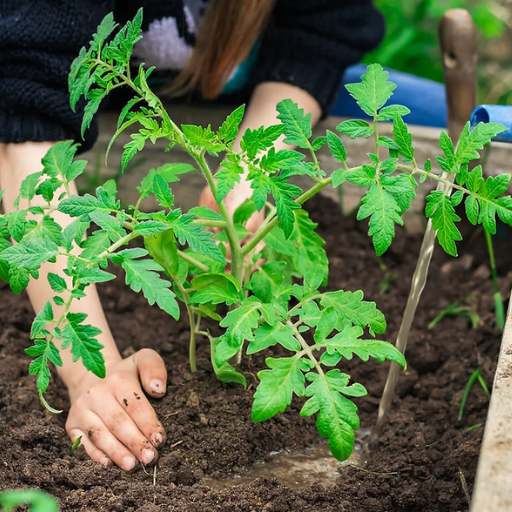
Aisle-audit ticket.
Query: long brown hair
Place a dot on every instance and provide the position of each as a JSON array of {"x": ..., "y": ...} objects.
[{"x": 227, "y": 34}]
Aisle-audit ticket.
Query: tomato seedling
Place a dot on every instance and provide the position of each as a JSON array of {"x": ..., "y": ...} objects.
[{"x": 274, "y": 303}]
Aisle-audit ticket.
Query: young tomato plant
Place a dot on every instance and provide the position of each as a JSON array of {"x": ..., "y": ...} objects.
[{"x": 277, "y": 302}]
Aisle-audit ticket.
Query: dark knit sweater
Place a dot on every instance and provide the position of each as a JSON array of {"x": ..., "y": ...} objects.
[{"x": 308, "y": 43}]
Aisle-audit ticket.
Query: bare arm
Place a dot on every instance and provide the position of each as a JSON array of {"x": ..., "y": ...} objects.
[{"x": 110, "y": 429}]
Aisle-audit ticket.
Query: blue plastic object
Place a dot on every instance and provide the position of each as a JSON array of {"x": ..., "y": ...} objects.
[
  {"x": 425, "y": 99},
  {"x": 494, "y": 114}
]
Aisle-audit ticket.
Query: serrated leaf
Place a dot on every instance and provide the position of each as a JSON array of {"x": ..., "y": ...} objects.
[
  {"x": 277, "y": 386},
  {"x": 226, "y": 372},
  {"x": 162, "y": 192},
  {"x": 197, "y": 237},
  {"x": 389, "y": 113},
  {"x": 351, "y": 309},
  {"x": 84, "y": 344},
  {"x": 337, "y": 416},
  {"x": 227, "y": 177},
  {"x": 470, "y": 142},
  {"x": 46, "y": 228},
  {"x": 202, "y": 212},
  {"x": 266, "y": 279},
  {"x": 43, "y": 318},
  {"x": 373, "y": 91},
  {"x": 384, "y": 213},
  {"x": 336, "y": 147},
  {"x": 229, "y": 128},
  {"x": 16, "y": 224},
  {"x": 94, "y": 275},
  {"x": 142, "y": 274},
  {"x": 403, "y": 139},
  {"x": 439, "y": 208},
  {"x": 150, "y": 227},
  {"x": 283, "y": 194},
  {"x": 30, "y": 254},
  {"x": 282, "y": 159},
  {"x": 269, "y": 335},
  {"x": 240, "y": 323},
  {"x": 170, "y": 172},
  {"x": 164, "y": 251},
  {"x": 29, "y": 184},
  {"x": 348, "y": 342},
  {"x": 355, "y": 128},
  {"x": 57, "y": 283},
  {"x": 297, "y": 125}
]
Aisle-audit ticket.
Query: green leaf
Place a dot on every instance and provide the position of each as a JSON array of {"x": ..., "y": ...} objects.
[
  {"x": 57, "y": 283},
  {"x": 94, "y": 275},
  {"x": 217, "y": 294},
  {"x": 269, "y": 335},
  {"x": 197, "y": 237},
  {"x": 46, "y": 228},
  {"x": 142, "y": 275},
  {"x": 241, "y": 323},
  {"x": 30, "y": 254},
  {"x": 352, "y": 310},
  {"x": 440, "y": 209},
  {"x": 348, "y": 342},
  {"x": 95, "y": 97},
  {"x": 162, "y": 192},
  {"x": 318, "y": 143},
  {"x": 297, "y": 125},
  {"x": 29, "y": 184},
  {"x": 384, "y": 213},
  {"x": 150, "y": 227},
  {"x": 470, "y": 142},
  {"x": 373, "y": 91},
  {"x": 283, "y": 194},
  {"x": 336, "y": 147},
  {"x": 389, "y": 113},
  {"x": 202, "y": 212},
  {"x": 202, "y": 138},
  {"x": 282, "y": 159},
  {"x": 261, "y": 184},
  {"x": 403, "y": 139},
  {"x": 277, "y": 386},
  {"x": 355, "y": 128},
  {"x": 84, "y": 344},
  {"x": 227, "y": 177},
  {"x": 337, "y": 416},
  {"x": 110, "y": 224},
  {"x": 18, "y": 279},
  {"x": 42, "y": 319},
  {"x": 76, "y": 206},
  {"x": 225, "y": 373},
  {"x": 309, "y": 246},
  {"x": 164, "y": 251},
  {"x": 244, "y": 212},
  {"x": 266, "y": 279},
  {"x": 170, "y": 171},
  {"x": 105, "y": 28},
  {"x": 229, "y": 128},
  {"x": 16, "y": 224},
  {"x": 94, "y": 245}
]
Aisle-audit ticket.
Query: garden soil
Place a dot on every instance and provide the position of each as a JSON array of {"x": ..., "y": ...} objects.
[{"x": 422, "y": 463}]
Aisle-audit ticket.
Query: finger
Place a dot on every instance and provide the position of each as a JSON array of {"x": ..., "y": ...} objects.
[
  {"x": 139, "y": 409},
  {"x": 152, "y": 372},
  {"x": 124, "y": 429},
  {"x": 105, "y": 441},
  {"x": 94, "y": 453}
]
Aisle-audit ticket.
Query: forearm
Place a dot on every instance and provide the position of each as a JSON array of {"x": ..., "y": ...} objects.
[{"x": 16, "y": 162}]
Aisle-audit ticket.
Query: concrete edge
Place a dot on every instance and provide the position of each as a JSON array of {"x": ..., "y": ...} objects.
[{"x": 493, "y": 487}]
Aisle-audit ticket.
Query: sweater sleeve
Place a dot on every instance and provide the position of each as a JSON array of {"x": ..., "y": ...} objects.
[
  {"x": 38, "y": 42},
  {"x": 310, "y": 43}
]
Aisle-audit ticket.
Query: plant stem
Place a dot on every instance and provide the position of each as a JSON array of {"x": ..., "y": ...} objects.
[
  {"x": 210, "y": 223},
  {"x": 189, "y": 259},
  {"x": 498, "y": 300},
  {"x": 122, "y": 241},
  {"x": 192, "y": 321},
  {"x": 237, "y": 258},
  {"x": 265, "y": 229}
]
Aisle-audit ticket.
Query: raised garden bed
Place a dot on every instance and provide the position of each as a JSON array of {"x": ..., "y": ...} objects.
[{"x": 417, "y": 464}]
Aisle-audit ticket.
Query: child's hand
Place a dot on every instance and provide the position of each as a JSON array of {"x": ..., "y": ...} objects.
[{"x": 113, "y": 416}]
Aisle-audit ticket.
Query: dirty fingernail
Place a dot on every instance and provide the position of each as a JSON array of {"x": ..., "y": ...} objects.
[
  {"x": 105, "y": 461},
  {"x": 147, "y": 456},
  {"x": 157, "y": 386},
  {"x": 128, "y": 463},
  {"x": 157, "y": 439}
]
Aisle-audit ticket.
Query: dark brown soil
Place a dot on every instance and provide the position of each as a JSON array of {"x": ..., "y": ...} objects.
[{"x": 416, "y": 465}]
